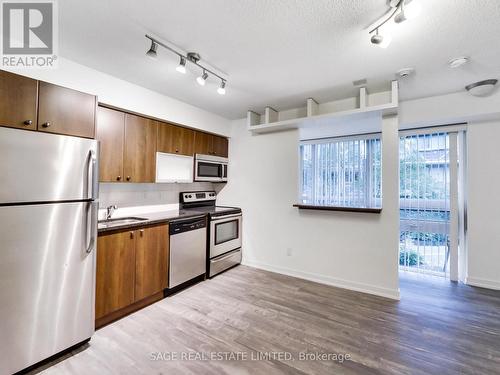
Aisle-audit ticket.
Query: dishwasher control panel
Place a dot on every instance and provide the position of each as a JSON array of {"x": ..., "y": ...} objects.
[{"x": 187, "y": 225}]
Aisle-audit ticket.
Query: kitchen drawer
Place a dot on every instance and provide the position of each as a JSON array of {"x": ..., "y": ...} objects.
[{"x": 224, "y": 262}]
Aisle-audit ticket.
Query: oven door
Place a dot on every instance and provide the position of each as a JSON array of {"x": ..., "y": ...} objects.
[
  {"x": 225, "y": 234},
  {"x": 208, "y": 171}
]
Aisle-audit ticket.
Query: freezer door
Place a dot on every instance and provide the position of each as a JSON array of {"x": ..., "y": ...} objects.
[
  {"x": 47, "y": 280},
  {"x": 38, "y": 167}
]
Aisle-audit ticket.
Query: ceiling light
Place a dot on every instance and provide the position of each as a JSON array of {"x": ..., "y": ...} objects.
[
  {"x": 399, "y": 11},
  {"x": 191, "y": 58},
  {"x": 152, "y": 50},
  {"x": 459, "y": 61},
  {"x": 222, "y": 88},
  {"x": 181, "y": 68},
  {"x": 202, "y": 79},
  {"x": 482, "y": 88},
  {"x": 377, "y": 38}
]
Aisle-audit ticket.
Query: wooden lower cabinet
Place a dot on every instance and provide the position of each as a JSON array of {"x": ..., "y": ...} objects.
[
  {"x": 132, "y": 271},
  {"x": 115, "y": 272},
  {"x": 151, "y": 261}
]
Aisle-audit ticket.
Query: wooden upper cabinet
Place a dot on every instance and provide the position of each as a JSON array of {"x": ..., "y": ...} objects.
[
  {"x": 139, "y": 160},
  {"x": 115, "y": 273},
  {"x": 18, "y": 101},
  {"x": 220, "y": 146},
  {"x": 203, "y": 143},
  {"x": 110, "y": 131},
  {"x": 151, "y": 267},
  {"x": 174, "y": 139},
  {"x": 66, "y": 111},
  {"x": 209, "y": 144}
]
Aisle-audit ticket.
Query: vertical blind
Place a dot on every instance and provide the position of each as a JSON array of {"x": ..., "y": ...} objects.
[{"x": 344, "y": 172}]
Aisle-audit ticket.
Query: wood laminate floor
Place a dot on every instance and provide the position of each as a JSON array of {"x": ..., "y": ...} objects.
[{"x": 437, "y": 328}]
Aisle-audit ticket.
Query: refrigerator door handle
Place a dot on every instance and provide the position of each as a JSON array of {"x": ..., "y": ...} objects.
[
  {"x": 92, "y": 228},
  {"x": 93, "y": 175}
]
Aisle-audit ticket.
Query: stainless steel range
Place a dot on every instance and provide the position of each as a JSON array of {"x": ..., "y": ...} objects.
[{"x": 224, "y": 235}]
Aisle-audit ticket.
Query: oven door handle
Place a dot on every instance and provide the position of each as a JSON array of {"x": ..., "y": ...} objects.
[{"x": 223, "y": 218}]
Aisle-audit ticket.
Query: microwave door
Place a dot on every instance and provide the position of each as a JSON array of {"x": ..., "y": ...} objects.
[{"x": 208, "y": 171}]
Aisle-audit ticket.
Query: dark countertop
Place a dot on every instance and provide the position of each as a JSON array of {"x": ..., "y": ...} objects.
[{"x": 152, "y": 218}]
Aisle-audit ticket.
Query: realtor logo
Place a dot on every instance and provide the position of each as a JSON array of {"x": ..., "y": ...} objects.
[{"x": 28, "y": 33}]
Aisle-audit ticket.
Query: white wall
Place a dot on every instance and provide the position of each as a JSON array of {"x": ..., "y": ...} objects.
[
  {"x": 352, "y": 250},
  {"x": 123, "y": 94},
  {"x": 448, "y": 109},
  {"x": 483, "y": 250}
]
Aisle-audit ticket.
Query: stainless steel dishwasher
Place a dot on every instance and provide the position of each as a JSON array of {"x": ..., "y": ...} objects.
[{"x": 188, "y": 250}]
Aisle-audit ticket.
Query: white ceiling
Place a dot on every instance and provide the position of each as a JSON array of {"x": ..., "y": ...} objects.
[{"x": 279, "y": 52}]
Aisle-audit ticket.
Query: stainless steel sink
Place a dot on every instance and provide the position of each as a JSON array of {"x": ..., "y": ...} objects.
[{"x": 120, "y": 221}]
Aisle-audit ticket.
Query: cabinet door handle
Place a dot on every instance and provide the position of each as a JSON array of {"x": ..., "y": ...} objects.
[
  {"x": 128, "y": 178},
  {"x": 28, "y": 122},
  {"x": 132, "y": 235},
  {"x": 141, "y": 232},
  {"x": 46, "y": 125},
  {"x": 118, "y": 178}
]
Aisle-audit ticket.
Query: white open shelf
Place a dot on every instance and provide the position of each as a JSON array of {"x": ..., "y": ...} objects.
[{"x": 269, "y": 121}]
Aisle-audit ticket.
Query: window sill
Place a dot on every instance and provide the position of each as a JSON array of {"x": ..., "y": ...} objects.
[{"x": 336, "y": 208}]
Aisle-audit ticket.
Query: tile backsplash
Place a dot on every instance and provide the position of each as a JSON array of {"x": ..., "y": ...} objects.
[{"x": 127, "y": 195}]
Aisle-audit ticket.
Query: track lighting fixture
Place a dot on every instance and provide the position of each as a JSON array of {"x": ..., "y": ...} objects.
[
  {"x": 222, "y": 88},
  {"x": 181, "y": 68},
  {"x": 202, "y": 79},
  {"x": 191, "y": 57},
  {"x": 401, "y": 10},
  {"x": 152, "y": 50}
]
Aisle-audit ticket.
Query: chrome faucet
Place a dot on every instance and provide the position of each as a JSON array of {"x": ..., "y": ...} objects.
[{"x": 109, "y": 211}]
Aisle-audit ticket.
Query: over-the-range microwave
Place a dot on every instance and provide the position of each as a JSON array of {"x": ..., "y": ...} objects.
[{"x": 210, "y": 168}]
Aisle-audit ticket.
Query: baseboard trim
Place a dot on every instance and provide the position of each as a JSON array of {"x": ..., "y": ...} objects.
[
  {"x": 483, "y": 283},
  {"x": 328, "y": 280}
]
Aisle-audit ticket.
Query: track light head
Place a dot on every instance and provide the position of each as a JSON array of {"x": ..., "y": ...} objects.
[
  {"x": 181, "y": 68},
  {"x": 222, "y": 88},
  {"x": 152, "y": 50},
  {"x": 400, "y": 17},
  {"x": 202, "y": 79},
  {"x": 377, "y": 38},
  {"x": 381, "y": 40}
]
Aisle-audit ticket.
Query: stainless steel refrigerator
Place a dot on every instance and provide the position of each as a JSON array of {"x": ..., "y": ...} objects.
[{"x": 48, "y": 228}]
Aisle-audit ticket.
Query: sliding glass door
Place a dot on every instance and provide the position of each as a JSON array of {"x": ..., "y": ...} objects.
[{"x": 429, "y": 203}]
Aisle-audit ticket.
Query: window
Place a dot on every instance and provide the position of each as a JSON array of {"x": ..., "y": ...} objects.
[{"x": 341, "y": 172}]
